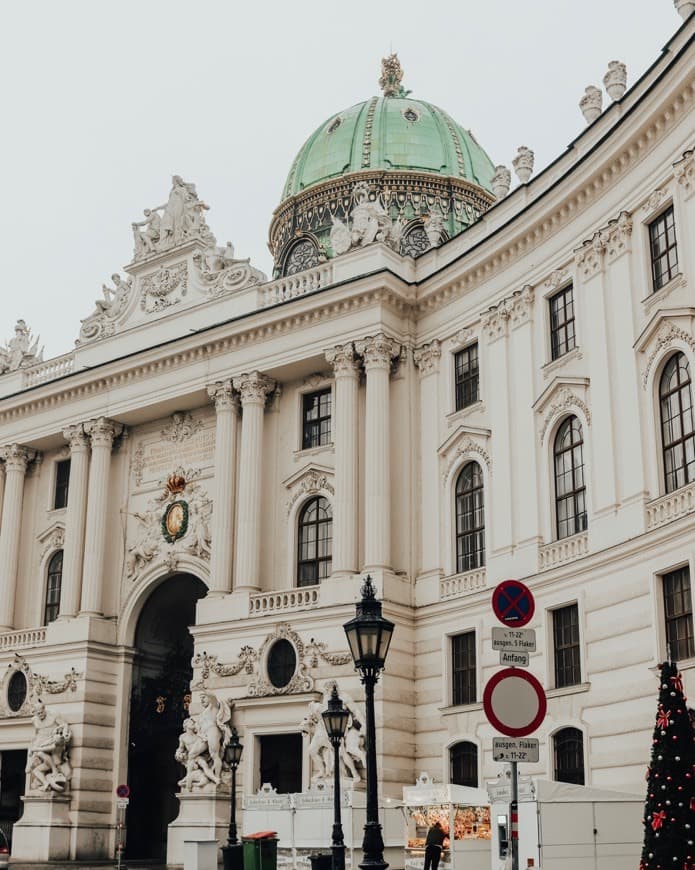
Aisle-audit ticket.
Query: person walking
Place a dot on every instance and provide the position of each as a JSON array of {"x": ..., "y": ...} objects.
[{"x": 433, "y": 846}]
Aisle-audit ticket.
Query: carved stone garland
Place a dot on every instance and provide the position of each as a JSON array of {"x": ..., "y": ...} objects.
[
  {"x": 251, "y": 662},
  {"x": 37, "y": 686}
]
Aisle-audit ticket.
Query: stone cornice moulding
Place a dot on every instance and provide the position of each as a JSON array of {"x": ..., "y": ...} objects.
[
  {"x": 195, "y": 348},
  {"x": 559, "y": 215}
]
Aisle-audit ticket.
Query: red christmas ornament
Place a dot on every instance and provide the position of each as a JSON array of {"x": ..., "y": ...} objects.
[{"x": 658, "y": 819}]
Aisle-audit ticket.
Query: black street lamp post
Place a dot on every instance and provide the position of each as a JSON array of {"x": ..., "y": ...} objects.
[
  {"x": 232, "y": 854},
  {"x": 369, "y": 635},
  {"x": 335, "y": 718}
]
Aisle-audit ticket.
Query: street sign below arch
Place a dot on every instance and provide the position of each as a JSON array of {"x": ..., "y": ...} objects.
[
  {"x": 123, "y": 791},
  {"x": 513, "y": 603},
  {"x": 514, "y": 702}
]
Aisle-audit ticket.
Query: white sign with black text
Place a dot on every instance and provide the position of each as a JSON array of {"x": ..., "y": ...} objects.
[
  {"x": 514, "y": 639},
  {"x": 515, "y": 749}
]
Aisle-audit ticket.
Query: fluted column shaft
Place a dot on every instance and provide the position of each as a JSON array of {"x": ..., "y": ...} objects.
[
  {"x": 2, "y": 489},
  {"x": 377, "y": 352},
  {"x": 16, "y": 460},
  {"x": 227, "y": 407},
  {"x": 102, "y": 433},
  {"x": 254, "y": 389},
  {"x": 346, "y": 370},
  {"x": 73, "y": 554}
]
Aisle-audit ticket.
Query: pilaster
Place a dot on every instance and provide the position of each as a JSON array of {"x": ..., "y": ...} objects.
[
  {"x": 16, "y": 460},
  {"x": 427, "y": 358},
  {"x": 71, "y": 591}
]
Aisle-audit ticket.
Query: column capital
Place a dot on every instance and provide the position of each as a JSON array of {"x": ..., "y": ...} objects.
[
  {"x": 102, "y": 431},
  {"x": 254, "y": 388},
  {"x": 378, "y": 351},
  {"x": 223, "y": 395},
  {"x": 16, "y": 457},
  {"x": 426, "y": 357},
  {"x": 343, "y": 359},
  {"x": 76, "y": 437}
]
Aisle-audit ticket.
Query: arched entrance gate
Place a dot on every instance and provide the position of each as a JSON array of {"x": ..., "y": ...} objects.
[{"x": 158, "y": 704}]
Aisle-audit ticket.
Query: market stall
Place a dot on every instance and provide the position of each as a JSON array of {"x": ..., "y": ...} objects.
[{"x": 464, "y": 814}]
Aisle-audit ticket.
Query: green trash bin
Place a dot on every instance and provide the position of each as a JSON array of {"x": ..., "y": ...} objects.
[{"x": 260, "y": 851}]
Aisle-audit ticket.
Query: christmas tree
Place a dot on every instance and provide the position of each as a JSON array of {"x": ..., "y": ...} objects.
[{"x": 669, "y": 811}]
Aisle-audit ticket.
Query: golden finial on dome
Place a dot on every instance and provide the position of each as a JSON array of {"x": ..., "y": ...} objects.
[{"x": 391, "y": 76}]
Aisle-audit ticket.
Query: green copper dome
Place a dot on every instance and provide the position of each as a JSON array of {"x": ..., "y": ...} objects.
[
  {"x": 389, "y": 133},
  {"x": 391, "y": 169}
]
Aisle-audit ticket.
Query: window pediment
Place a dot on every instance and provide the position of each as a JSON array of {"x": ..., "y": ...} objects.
[
  {"x": 312, "y": 479},
  {"x": 670, "y": 328},
  {"x": 51, "y": 538},
  {"x": 561, "y": 396},
  {"x": 465, "y": 441}
]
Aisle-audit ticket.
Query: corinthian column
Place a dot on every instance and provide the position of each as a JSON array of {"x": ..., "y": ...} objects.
[
  {"x": 2, "y": 489},
  {"x": 227, "y": 407},
  {"x": 377, "y": 351},
  {"x": 75, "y": 520},
  {"x": 346, "y": 371},
  {"x": 101, "y": 432},
  {"x": 16, "y": 460},
  {"x": 254, "y": 388}
]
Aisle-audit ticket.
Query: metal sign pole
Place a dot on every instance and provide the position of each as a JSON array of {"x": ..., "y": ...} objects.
[{"x": 514, "y": 818}]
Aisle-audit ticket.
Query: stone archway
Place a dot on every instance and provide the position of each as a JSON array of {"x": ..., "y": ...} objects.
[{"x": 161, "y": 678}]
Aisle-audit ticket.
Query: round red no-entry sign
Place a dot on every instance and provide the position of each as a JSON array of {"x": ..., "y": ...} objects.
[
  {"x": 513, "y": 603},
  {"x": 123, "y": 791},
  {"x": 514, "y": 702}
]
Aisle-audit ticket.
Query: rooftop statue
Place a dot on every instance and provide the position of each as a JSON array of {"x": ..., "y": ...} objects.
[
  {"x": 391, "y": 77},
  {"x": 181, "y": 218},
  {"x": 20, "y": 351},
  {"x": 369, "y": 223},
  {"x": 106, "y": 310}
]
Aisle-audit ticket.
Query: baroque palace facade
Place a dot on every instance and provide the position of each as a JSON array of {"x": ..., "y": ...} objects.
[{"x": 445, "y": 384}]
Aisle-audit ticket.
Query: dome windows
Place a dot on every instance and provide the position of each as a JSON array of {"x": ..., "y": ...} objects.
[
  {"x": 411, "y": 115},
  {"x": 335, "y": 124}
]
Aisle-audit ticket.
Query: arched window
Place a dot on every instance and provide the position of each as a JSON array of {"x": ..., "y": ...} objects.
[
  {"x": 568, "y": 749},
  {"x": 463, "y": 764},
  {"x": 677, "y": 427},
  {"x": 470, "y": 519},
  {"x": 302, "y": 255},
  {"x": 54, "y": 582},
  {"x": 570, "y": 489},
  {"x": 315, "y": 540}
]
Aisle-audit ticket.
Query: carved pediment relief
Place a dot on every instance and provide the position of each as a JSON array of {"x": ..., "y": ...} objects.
[
  {"x": 465, "y": 441},
  {"x": 674, "y": 328},
  {"x": 563, "y": 395},
  {"x": 310, "y": 480},
  {"x": 52, "y": 538}
]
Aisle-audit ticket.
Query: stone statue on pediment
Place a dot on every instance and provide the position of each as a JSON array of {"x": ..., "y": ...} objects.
[
  {"x": 116, "y": 297},
  {"x": 48, "y": 762},
  {"x": 179, "y": 219},
  {"x": 20, "y": 351}
]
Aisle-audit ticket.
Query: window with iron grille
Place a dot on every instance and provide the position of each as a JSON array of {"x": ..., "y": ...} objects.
[
  {"x": 677, "y": 424},
  {"x": 463, "y": 668},
  {"x": 566, "y": 646},
  {"x": 463, "y": 764},
  {"x": 466, "y": 376},
  {"x": 562, "y": 336},
  {"x": 315, "y": 542},
  {"x": 678, "y": 611},
  {"x": 570, "y": 489},
  {"x": 53, "y": 585},
  {"x": 316, "y": 419},
  {"x": 663, "y": 249},
  {"x": 568, "y": 749},
  {"x": 470, "y": 518},
  {"x": 60, "y": 497}
]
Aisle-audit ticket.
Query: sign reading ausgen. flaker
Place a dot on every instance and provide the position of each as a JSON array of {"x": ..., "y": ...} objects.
[{"x": 515, "y": 749}]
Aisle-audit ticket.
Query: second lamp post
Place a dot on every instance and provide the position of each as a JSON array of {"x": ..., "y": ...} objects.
[
  {"x": 335, "y": 718},
  {"x": 369, "y": 635}
]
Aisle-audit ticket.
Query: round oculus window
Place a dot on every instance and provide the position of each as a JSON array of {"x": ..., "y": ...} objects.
[
  {"x": 16, "y": 691},
  {"x": 282, "y": 663},
  {"x": 411, "y": 115},
  {"x": 334, "y": 126}
]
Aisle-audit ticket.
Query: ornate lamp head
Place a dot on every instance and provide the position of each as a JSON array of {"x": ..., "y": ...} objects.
[{"x": 369, "y": 633}]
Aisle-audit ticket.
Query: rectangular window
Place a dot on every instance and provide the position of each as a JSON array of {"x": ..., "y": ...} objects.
[
  {"x": 678, "y": 610},
  {"x": 663, "y": 249},
  {"x": 562, "y": 338},
  {"x": 316, "y": 419},
  {"x": 566, "y": 646},
  {"x": 60, "y": 499},
  {"x": 463, "y": 668},
  {"x": 466, "y": 377}
]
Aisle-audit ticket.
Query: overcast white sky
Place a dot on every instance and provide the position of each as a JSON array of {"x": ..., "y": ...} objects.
[{"x": 103, "y": 102}]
